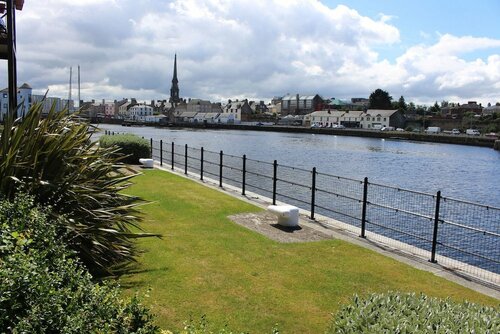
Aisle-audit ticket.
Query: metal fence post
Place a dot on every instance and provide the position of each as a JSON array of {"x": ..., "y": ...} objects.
[
  {"x": 363, "y": 210},
  {"x": 201, "y": 164},
  {"x": 151, "y": 143},
  {"x": 173, "y": 147},
  {"x": 161, "y": 152},
  {"x": 313, "y": 192},
  {"x": 275, "y": 174},
  {"x": 186, "y": 159},
  {"x": 243, "y": 177},
  {"x": 220, "y": 169},
  {"x": 435, "y": 232}
]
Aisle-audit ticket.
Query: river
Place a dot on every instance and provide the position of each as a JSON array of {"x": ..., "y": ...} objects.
[{"x": 465, "y": 172}]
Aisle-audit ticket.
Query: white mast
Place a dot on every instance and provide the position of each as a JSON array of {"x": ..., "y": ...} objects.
[
  {"x": 69, "y": 96},
  {"x": 79, "y": 99}
]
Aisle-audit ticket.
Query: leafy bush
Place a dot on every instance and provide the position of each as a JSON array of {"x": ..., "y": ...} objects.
[
  {"x": 54, "y": 160},
  {"x": 43, "y": 289},
  {"x": 410, "y": 313},
  {"x": 131, "y": 147}
]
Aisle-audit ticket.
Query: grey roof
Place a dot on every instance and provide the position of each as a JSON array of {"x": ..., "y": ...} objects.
[
  {"x": 332, "y": 113},
  {"x": 26, "y": 86},
  {"x": 188, "y": 114},
  {"x": 381, "y": 112}
]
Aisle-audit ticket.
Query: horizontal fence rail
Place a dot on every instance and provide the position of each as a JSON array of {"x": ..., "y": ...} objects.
[{"x": 461, "y": 235}]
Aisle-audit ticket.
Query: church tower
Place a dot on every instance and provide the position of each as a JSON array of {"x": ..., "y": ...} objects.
[{"x": 174, "y": 90}]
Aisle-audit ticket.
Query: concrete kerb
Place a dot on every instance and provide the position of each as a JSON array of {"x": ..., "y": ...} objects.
[{"x": 349, "y": 233}]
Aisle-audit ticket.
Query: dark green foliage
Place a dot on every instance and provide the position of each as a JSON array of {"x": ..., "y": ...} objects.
[
  {"x": 380, "y": 99},
  {"x": 402, "y": 106},
  {"x": 411, "y": 313},
  {"x": 131, "y": 147},
  {"x": 54, "y": 160},
  {"x": 43, "y": 289}
]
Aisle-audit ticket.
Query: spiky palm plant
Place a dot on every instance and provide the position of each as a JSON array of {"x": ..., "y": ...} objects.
[{"x": 54, "y": 159}]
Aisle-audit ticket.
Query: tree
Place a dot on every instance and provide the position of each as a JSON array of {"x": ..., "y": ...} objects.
[
  {"x": 435, "y": 109},
  {"x": 411, "y": 107},
  {"x": 402, "y": 105},
  {"x": 380, "y": 99}
]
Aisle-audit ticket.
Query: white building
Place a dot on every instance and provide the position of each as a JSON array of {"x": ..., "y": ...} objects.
[
  {"x": 23, "y": 99},
  {"x": 225, "y": 118},
  {"x": 377, "y": 119},
  {"x": 325, "y": 118},
  {"x": 370, "y": 119},
  {"x": 154, "y": 118},
  {"x": 139, "y": 112},
  {"x": 206, "y": 117},
  {"x": 49, "y": 102}
]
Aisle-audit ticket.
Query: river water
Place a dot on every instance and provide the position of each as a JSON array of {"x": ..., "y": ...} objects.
[{"x": 466, "y": 172}]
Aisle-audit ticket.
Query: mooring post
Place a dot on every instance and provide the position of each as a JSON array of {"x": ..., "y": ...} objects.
[
  {"x": 436, "y": 223},
  {"x": 151, "y": 143}
]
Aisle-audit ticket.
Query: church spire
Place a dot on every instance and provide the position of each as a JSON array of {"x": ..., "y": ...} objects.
[{"x": 174, "y": 90}]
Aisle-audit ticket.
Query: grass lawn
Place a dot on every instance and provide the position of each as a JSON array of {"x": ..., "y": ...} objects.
[{"x": 205, "y": 264}]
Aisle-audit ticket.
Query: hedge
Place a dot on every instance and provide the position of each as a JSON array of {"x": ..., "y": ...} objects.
[{"x": 130, "y": 146}]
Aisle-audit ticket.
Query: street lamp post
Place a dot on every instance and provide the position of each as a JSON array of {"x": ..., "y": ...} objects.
[{"x": 8, "y": 46}]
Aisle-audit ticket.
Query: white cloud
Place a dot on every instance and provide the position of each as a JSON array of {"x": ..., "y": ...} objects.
[{"x": 250, "y": 48}]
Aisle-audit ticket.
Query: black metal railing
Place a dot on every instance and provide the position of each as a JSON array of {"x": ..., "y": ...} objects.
[{"x": 456, "y": 233}]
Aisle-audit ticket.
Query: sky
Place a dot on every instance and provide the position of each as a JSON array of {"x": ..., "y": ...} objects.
[{"x": 424, "y": 50}]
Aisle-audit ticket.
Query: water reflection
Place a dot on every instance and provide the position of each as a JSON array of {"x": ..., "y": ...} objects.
[{"x": 467, "y": 172}]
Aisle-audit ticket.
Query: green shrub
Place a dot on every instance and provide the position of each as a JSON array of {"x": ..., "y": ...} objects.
[
  {"x": 411, "y": 313},
  {"x": 54, "y": 159},
  {"x": 131, "y": 147},
  {"x": 43, "y": 289}
]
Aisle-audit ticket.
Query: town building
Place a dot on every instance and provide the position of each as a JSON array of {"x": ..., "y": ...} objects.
[
  {"x": 199, "y": 105},
  {"x": 370, "y": 119},
  {"x": 301, "y": 104},
  {"x": 23, "y": 98},
  {"x": 377, "y": 119},
  {"x": 492, "y": 109},
  {"x": 240, "y": 109},
  {"x": 26, "y": 99},
  {"x": 139, "y": 112},
  {"x": 51, "y": 102},
  {"x": 459, "y": 110},
  {"x": 324, "y": 118}
]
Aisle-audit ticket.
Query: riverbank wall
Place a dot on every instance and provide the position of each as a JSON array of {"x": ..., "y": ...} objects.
[
  {"x": 497, "y": 145},
  {"x": 393, "y": 135},
  {"x": 437, "y": 138}
]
